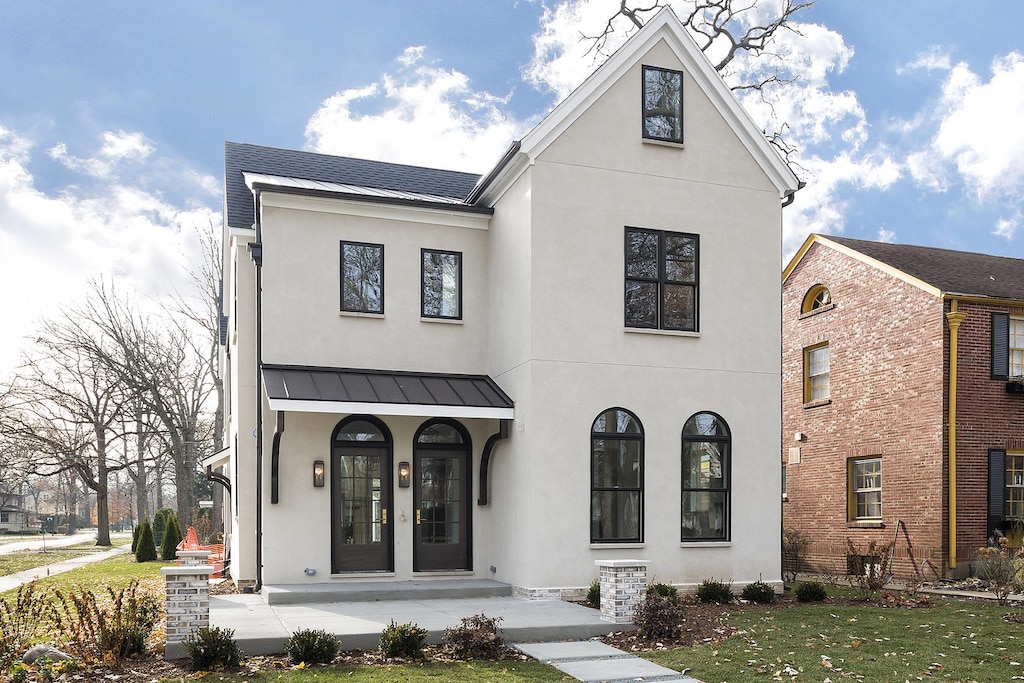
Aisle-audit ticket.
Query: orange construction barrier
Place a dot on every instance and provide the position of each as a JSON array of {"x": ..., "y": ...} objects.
[{"x": 216, "y": 550}]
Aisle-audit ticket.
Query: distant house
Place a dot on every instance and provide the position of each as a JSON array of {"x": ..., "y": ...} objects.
[
  {"x": 903, "y": 401},
  {"x": 573, "y": 357},
  {"x": 13, "y": 515}
]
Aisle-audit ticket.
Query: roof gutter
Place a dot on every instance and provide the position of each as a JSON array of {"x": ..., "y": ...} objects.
[
  {"x": 370, "y": 199},
  {"x": 485, "y": 182},
  {"x": 791, "y": 195}
]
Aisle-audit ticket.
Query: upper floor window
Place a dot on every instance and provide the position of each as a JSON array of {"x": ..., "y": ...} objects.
[
  {"x": 1016, "y": 347},
  {"x": 362, "y": 277},
  {"x": 1015, "y": 487},
  {"x": 616, "y": 477},
  {"x": 441, "y": 291},
  {"x": 865, "y": 489},
  {"x": 661, "y": 279},
  {"x": 663, "y": 104},
  {"x": 817, "y": 368},
  {"x": 817, "y": 297},
  {"x": 705, "y": 489}
]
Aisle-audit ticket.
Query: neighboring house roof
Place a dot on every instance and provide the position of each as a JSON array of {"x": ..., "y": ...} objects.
[
  {"x": 939, "y": 271},
  {"x": 240, "y": 158},
  {"x": 383, "y": 392}
]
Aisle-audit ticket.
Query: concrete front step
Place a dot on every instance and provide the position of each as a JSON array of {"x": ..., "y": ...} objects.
[{"x": 371, "y": 591}]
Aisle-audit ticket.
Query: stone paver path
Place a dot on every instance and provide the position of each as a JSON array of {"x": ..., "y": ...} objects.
[{"x": 595, "y": 662}]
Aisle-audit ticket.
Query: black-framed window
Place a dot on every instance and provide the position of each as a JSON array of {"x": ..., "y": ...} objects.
[
  {"x": 663, "y": 104},
  {"x": 662, "y": 274},
  {"x": 441, "y": 284},
  {"x": 616, "y": 478},
  {"x": 362, "y": 277},
  {"x": 705, "y": 501}
]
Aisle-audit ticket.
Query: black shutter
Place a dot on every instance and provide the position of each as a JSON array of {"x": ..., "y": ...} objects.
[
  {"x": 996, "y": 490},
  {"x": 1000, "y": 346}
]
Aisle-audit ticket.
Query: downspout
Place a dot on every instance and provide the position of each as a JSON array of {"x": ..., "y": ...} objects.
[
  {"x": 256, "y": 251},
  {"x": 953, "y": 318}
]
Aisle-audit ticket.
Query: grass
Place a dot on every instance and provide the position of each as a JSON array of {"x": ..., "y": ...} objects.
[
  {"x": 116, "y": 572},
  {"x": 430, "y": 672},
  {"x": 952, "y": 640},
  {"x": 20, "y": 561}
]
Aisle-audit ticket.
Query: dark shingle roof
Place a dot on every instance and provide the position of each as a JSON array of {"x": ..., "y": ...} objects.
[
  {"x": 957, "y": 272},
  {"x": 239, "y": 158}
]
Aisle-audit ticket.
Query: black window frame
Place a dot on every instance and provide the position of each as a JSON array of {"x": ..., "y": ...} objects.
[
  {"x": 645, "y": 113},
  {"x": 638, "y": 489},
  {"x": 662, "y": 280},
  {"x": 725, "y": 489},
  {"x": 423, "y": 284},
  {"x": 341, "y": 272}
]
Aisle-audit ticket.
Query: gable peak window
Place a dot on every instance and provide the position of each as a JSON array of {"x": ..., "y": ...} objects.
[
  {"x": 616, "y": 477},
  {"x": 362, "y": 277},
  {"x": 661, "y": 279},
  {"x": 663, "y": 104},
  {"x": 817, "y": 297},
  {"x": 441, "y": 286}
]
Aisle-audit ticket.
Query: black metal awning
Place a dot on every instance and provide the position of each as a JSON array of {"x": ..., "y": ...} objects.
[{"x": 384, "y": 392}]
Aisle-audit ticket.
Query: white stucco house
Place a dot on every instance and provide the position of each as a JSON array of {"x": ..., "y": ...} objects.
[{"x": 573, "y": 357}]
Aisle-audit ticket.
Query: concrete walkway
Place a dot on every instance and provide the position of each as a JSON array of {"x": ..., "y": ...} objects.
[
  {"x": 596, "y": 662},
  {"x": 47, "y": 542},
  {"x": 13, "y": 581}
]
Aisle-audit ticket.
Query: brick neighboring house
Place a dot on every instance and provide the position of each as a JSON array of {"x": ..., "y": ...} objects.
[{"x": 882, "y": 344}]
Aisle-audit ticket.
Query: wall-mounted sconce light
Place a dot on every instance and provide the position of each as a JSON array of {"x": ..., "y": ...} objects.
[
  {"x": 318, "y": 473},
  {"x": 403, "y": 475}
]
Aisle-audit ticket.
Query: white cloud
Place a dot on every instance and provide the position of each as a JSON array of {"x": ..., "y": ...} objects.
[
  {"x": 118, "y": 146},
  {"x": 51, "y": 244},
  {"x": 1007, "y": 227},
  {"x": 886, "y": 235},
  {"x": 936, "y": 59},
  {"x": 421, "y": 114}
]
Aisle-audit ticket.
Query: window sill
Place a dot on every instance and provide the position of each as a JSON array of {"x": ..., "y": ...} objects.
[
  {"x": 670, "y": 333},
  {"x": 816, "y": 311},
  {"x": 445, "y": 572},
  {"x": 446, "y": 321},
  {"x": 705, "y": 544},
  {"x": 615, "y": 546},
  {"x": 817, "y": 404},
  {"x": 867, "y": 524},
  {"x": 359, "y": 314},
  {"x": 663, "y": 143},
  {"x": 360, "y": 575}
]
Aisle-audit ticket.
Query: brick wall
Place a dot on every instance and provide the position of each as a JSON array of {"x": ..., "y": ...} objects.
[{"x": 886, "y": 340}]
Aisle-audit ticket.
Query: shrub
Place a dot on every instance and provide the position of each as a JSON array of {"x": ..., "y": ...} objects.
[
  {"x": 658, "y": 617},
  {"x": 664, "y": 590},
  {"x": 20, "y": 620},
  {"x": 208, "y": 647},
  {"x": 869, "y": 570},
  {"x": 312, "y": 646},
  {"x": 146, "y": 550},
  {"x": 711, "y": 590},
  {"x": 996, "y": 565},
  {"x": 811, "y": 591},
  {"x": 477, "y": 637},
  {"x": 160, "y": 522},
  {"x": 794, "y": 548},
  {"x": 403, "y": 641},
  {"x": 113, "y": 628},
  {"x": 594, "y": 594},
  {"x": 758, "y": 592},
  {"x": 135, "y": 539},
  {"x": 171, "y": 538}
]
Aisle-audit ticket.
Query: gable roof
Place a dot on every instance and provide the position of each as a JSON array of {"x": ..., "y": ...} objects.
[
  {"x": 448, "y": 186},
  {"x": 665, "y": 25},
  {"x": 939, "y": 271}
]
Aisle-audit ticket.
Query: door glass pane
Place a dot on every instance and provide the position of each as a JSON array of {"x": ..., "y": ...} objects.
[
  {"x": 440, "y": 497},
  {"x": 359, "y": 492},
  {"x": 440, "y": 433},
  {"x": 360, "y": 430}
]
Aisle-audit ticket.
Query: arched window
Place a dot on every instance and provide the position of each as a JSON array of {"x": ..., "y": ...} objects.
[
  {"x": 817, "y": 297},
  {"x": 705, "y": 489},
  {"x": 616, "y": 478}
]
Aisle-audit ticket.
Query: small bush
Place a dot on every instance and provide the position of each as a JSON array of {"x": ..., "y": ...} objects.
[
  {"x": 160, "y": 522},
  {"x": 811, "y": 591},
  {"x": 658, "y": 617},
  {"x": 664, "y": 590},
  {"x": 758, "y": 592},
  {"x": 209, "y": 647},
  {"x": 594, "y": 594},
  {"x": 171, "y": 538},
  {"x": 135, "y": 539},
  {"x": 403, "y": 641},
  {"x": 478, "y": 637},
  {"x": 794, "y": 549},
  {"x": 312, "y": 646},
  {"x": 146, "y": 549},
  {"x": 996, "y": 566},
  {"x": 714, "y": 591},
  {"x": 869, "y": 570},
  {"x": 113, "y": 627},
  {"x": 21, "y": 619}
]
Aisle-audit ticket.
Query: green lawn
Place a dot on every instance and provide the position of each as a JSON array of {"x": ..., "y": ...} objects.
[
  {"x": 953, "y": 640},
  {"x": 12, "y": 563}
]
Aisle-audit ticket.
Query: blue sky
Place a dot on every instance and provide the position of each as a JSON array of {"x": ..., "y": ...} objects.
[{"x": 907, "y": 116}]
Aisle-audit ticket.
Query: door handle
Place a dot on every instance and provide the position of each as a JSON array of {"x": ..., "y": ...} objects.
[
  {"x": 417, "y": 517},
  {"x": 384, "y": 516}
]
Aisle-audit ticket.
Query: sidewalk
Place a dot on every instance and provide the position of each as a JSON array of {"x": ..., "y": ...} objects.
[
  {"x": 13, "y": 581},
  {"x": 47, "y": 541}
]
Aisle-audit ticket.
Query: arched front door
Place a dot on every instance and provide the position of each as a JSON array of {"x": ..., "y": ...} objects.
[
  {"x": 441, "y": 493},
  {"x": 361, "y": 537}
]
